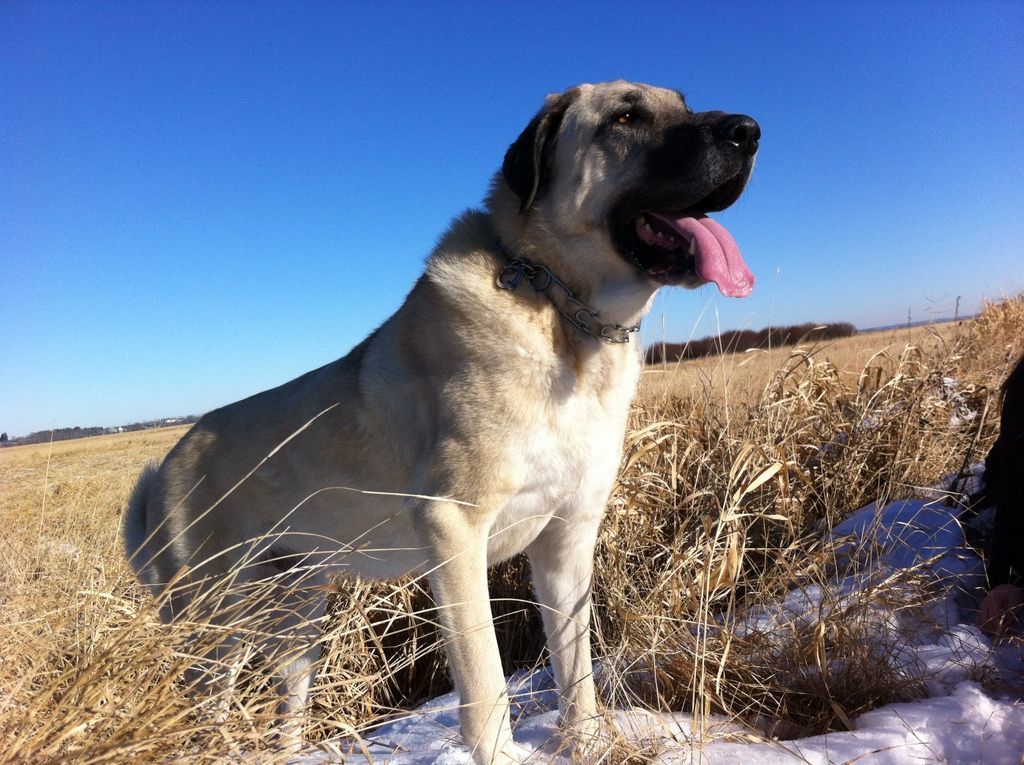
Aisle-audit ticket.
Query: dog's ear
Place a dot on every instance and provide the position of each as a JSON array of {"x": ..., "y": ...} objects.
[{"x": 527, "y": 166}]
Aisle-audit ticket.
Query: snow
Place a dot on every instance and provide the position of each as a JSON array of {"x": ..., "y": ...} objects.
[{"x": 960, "y": 721}]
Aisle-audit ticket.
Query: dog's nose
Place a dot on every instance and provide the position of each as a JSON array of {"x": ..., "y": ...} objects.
[{"x": 741, "y": 131}]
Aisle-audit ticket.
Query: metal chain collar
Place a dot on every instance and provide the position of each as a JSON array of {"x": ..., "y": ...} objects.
[{"x": 573, "y": 310}]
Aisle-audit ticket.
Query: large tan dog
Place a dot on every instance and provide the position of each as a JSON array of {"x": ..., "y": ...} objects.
[{"x": 484, "y": 418}]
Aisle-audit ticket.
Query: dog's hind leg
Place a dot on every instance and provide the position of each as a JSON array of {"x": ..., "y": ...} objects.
[
  {"x": 192, "y": 602},
  {"x": 212, "y": 677},
  {"x": 298, "y": 650},
  {"x": 290, "y": 640}
]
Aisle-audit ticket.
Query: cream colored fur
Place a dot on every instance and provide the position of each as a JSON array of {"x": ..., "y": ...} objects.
[{"x": 483, "y": 399}]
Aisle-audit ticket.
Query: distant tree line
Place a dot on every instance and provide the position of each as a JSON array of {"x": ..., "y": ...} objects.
[
  {"x": 65, "y": 434},
  {"x": 739, "y": 340}
]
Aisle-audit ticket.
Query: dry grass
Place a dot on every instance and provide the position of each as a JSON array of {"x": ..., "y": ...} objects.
[
  {"x": 733, "y": 468},
  {"x": 741, "y": 378}
]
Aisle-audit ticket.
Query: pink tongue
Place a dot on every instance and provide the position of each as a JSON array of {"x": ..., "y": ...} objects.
[{"x": 718, "y": 258}]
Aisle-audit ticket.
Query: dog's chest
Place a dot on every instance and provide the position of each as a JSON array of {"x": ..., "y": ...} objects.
[{"x": 567, "y": 456}]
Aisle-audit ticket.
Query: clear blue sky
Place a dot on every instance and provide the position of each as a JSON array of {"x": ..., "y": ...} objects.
[{"x": 200, "y": 200}]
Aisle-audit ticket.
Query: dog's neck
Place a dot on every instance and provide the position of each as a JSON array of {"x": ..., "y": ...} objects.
[
  {"x": 574, "y": 311},
  {"x": 616, "y": 293}
]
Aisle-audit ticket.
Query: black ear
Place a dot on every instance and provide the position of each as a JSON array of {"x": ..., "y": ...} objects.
[{"x": 527, "y": 166}]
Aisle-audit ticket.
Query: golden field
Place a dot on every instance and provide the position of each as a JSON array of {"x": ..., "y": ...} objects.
[
  {"x": 725, "y": 486},
  {"x": 741, "y": 377}
]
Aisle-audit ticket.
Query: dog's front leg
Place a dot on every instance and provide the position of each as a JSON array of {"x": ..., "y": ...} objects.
[
  {"x": 458, "y": 580},
  {"x": 562, "y": 564}
]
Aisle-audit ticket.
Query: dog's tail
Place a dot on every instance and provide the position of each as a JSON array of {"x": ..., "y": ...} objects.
[{"x": 135, "y": 529}]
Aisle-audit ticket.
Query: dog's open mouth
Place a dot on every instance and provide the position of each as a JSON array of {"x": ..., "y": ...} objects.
[
  {"x": 686, "y": 246},
  {"x": 673, "y": 247}
]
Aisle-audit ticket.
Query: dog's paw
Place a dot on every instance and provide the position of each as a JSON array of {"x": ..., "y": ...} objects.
[
  {"x": 510, "y": 753},
  {"x": 592, "y": 739}
]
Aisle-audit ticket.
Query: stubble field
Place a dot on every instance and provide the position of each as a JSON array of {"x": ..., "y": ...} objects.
[{"x": 733, "y": 467}]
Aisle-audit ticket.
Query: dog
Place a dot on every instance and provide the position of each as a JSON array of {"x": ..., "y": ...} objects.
[{"x": 486, "y": 417}]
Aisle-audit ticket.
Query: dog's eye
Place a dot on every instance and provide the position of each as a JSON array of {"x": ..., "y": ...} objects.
[{"x": 631, "y": 116}]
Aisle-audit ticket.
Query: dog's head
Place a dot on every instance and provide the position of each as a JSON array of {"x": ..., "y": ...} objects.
[{"x": 635, "y": 166}]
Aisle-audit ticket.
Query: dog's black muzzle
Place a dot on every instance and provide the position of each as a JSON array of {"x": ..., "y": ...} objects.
[{"x": 703, "y": 162}]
